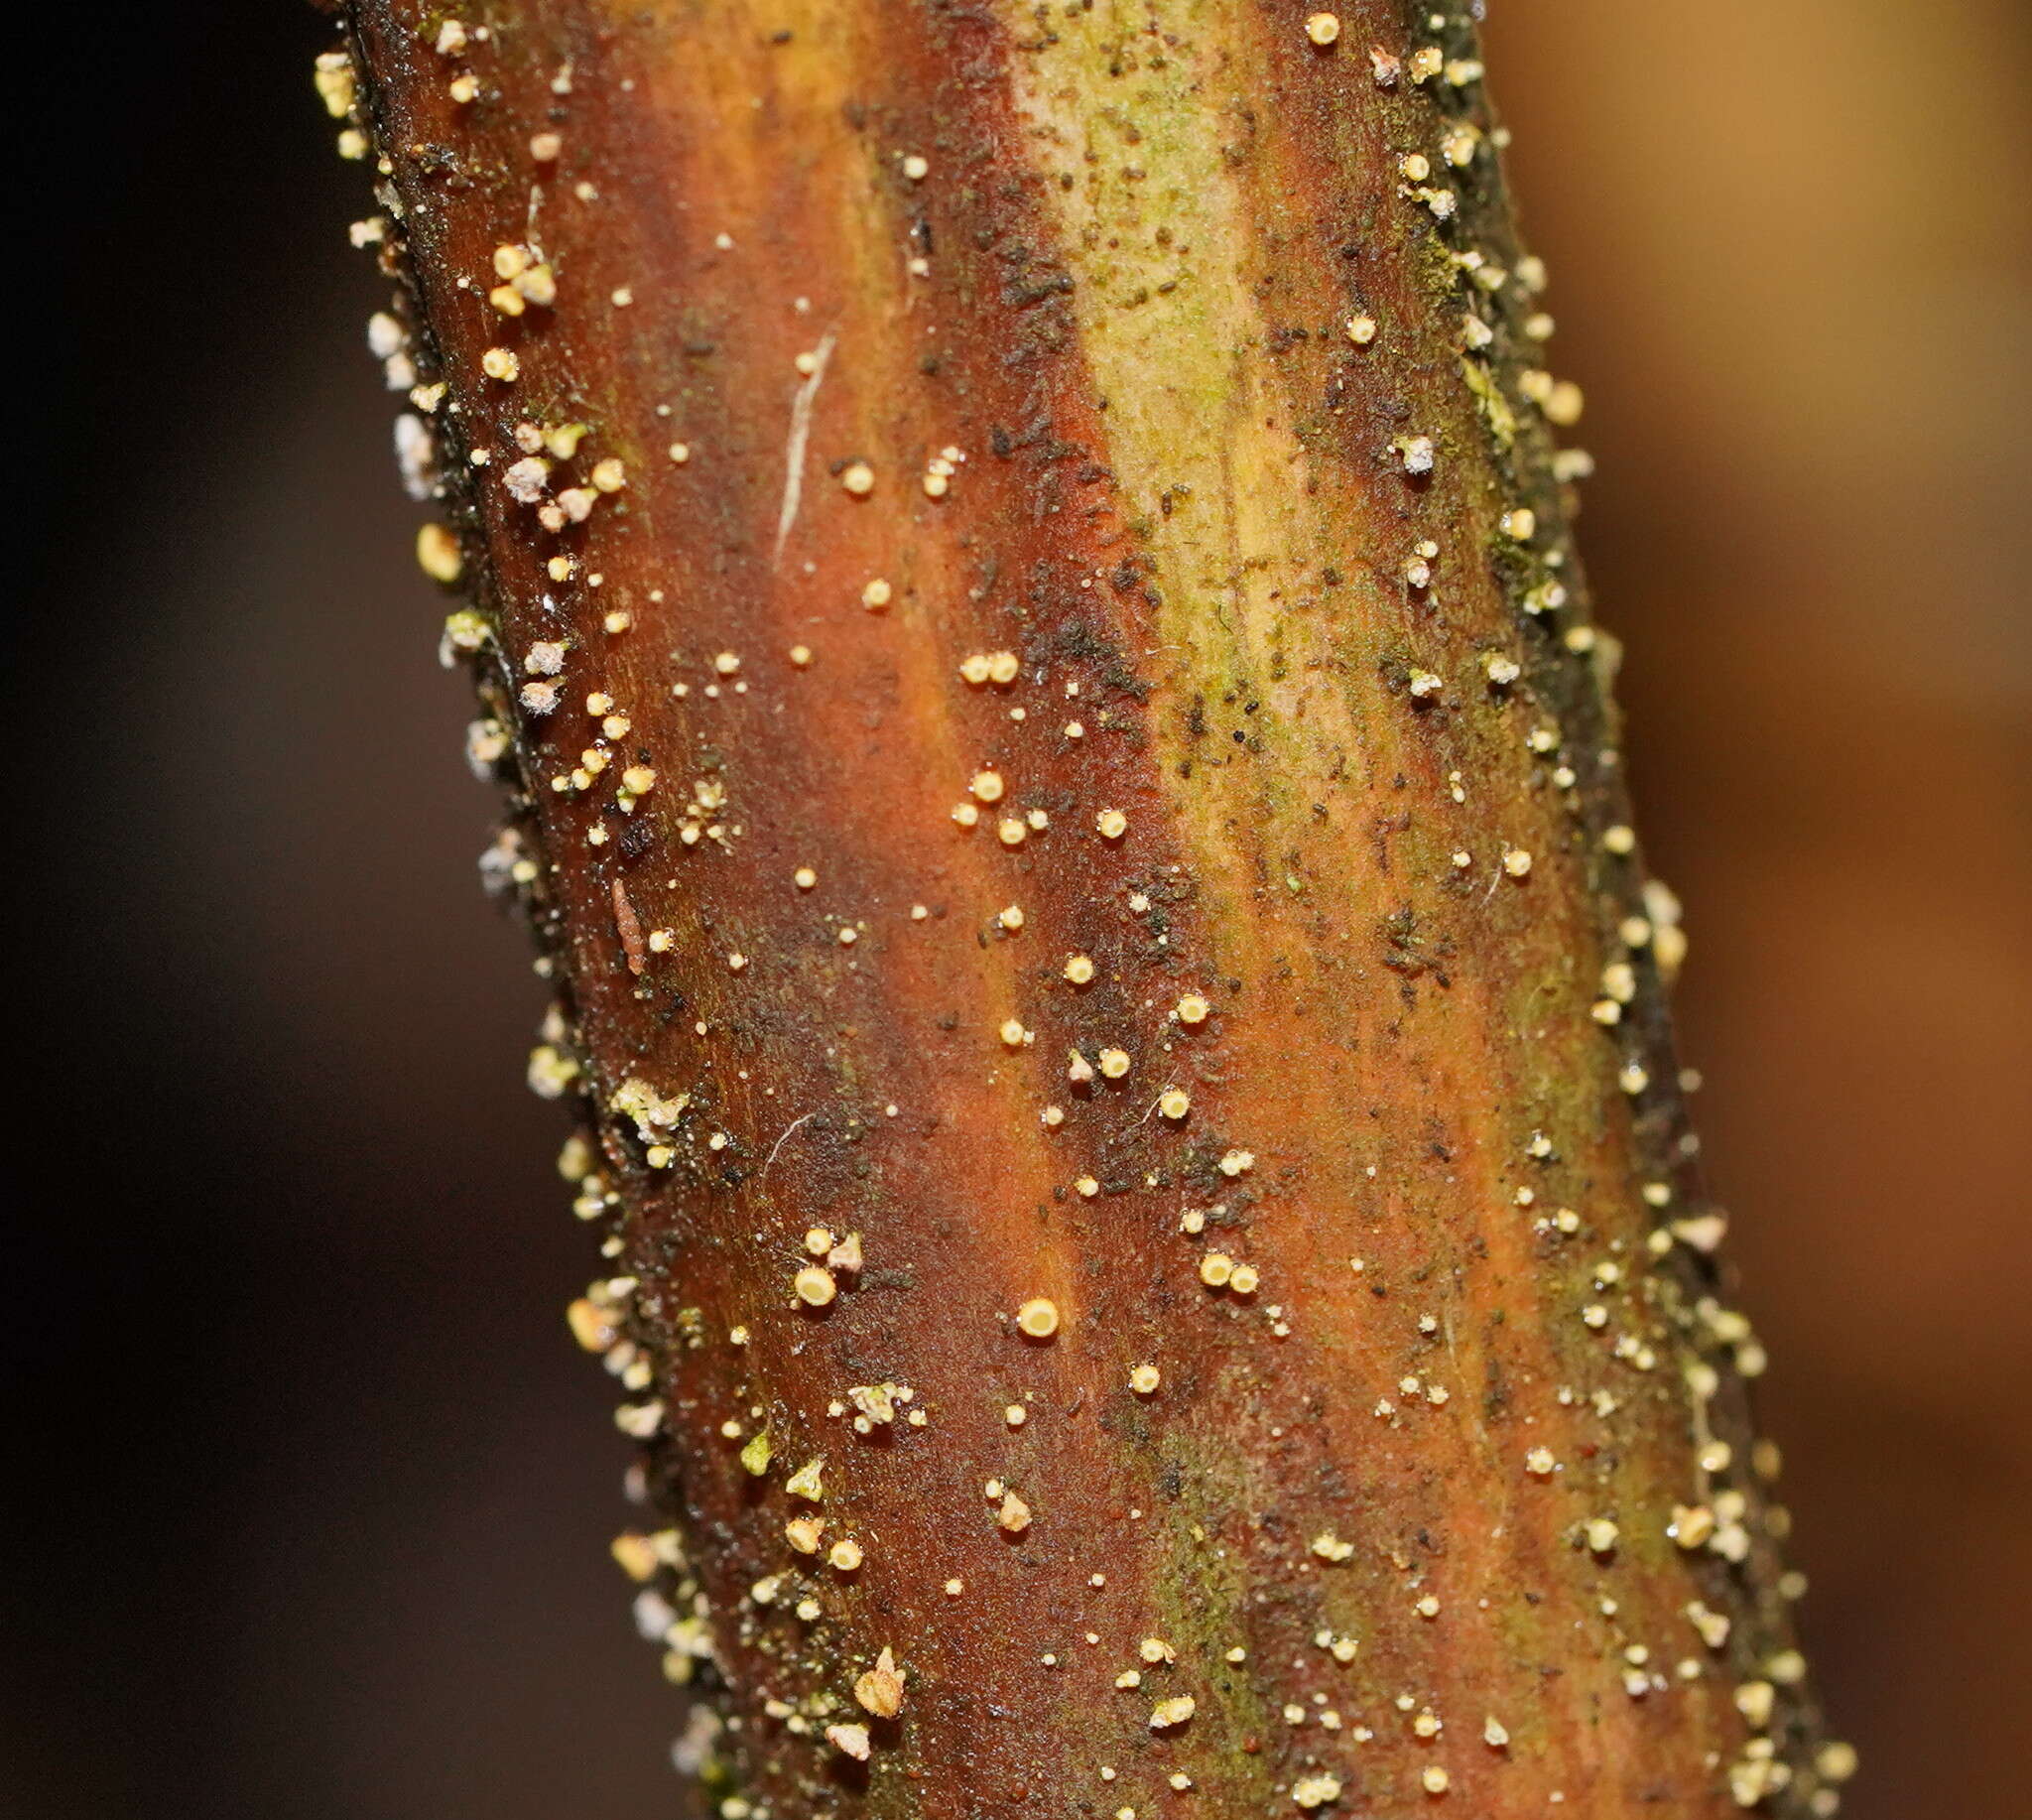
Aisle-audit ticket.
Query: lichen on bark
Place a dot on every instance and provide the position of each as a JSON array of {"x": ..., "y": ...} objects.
[{"x": 1021, "y": 586}]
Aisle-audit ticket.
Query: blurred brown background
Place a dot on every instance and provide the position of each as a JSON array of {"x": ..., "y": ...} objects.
[{"x": 308, "y": 1491}]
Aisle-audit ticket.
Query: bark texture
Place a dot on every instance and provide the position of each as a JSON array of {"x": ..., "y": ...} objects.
[{"x": 1020, "y": 584}]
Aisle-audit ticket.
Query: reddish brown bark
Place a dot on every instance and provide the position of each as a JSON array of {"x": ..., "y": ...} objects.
[{"x": 1020, "y": 587}]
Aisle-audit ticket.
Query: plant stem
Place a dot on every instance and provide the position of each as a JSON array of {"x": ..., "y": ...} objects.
[{"x": 1021, "y": 586}]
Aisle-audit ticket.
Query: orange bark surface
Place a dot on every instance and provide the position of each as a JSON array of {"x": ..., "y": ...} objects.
[{"x": 1020, "y": 583}]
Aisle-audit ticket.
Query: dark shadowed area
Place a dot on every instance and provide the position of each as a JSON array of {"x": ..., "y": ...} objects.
[{"x": 308, "y": 1490}]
